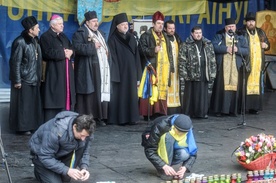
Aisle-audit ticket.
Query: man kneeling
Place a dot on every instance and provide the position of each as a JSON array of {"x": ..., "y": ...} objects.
[
  {"x": 60, "y": 148},
  {"x": 170, "y": 141}
]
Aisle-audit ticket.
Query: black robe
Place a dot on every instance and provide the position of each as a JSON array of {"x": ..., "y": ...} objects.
[
  {"x": 125, "y": 69},
  {"x": 196, "y": 99},
  {"x": 25, "y": 68},
  {"x": 54, "y": 88},
  {"x": 88, "y": 76}
]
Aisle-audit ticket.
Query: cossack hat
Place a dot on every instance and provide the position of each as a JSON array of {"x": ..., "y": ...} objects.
[
  {"x": 157, "y": 16},
  {"x": 250, "y": 16},
  {"x": 229, "y": 21},
  {"x": 120, "y": 18},
  {"x": 29, "y": 22},
  {"x": 90, "y": 15},
  {"x": 183, "y": 123}
]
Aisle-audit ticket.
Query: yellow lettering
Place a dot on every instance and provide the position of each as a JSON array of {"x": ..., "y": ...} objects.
[
  {"x": 238, "y": 7},
  {"x": 214, "y": 13},
  {"x": 180, "y": 18},
  {"x": 65, "y": 17},
  {"x": 173, "y": 18},
  {"x": 205, "y": 15},
  {"x": 39, "y": 15},
  {"x": 13, "y": 16},
  {"x": 245, "y": 8},
  {"x": 29, "y": 12},
  {"x": 188, "y": 19},
  {"x": 226, "y": 10}
]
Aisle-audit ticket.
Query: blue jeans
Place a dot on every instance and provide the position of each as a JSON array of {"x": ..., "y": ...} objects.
[{"x": 175, "y": 156}]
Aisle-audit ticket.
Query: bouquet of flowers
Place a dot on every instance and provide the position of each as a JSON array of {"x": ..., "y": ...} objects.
[{"x": 254, "y": 147}]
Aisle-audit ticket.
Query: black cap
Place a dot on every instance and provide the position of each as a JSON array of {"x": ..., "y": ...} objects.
[
  {"x": 29, "y": 22},
  {"x": 229, "y": 21},
  {"x": 119, "y": 18},
  {"x": 90, "y": 15},
  {"x": 183, "y": 123},
  {"x": 250, "y": 16}
]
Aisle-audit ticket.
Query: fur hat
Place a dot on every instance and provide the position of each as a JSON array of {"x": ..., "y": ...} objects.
[
  {"x": 250, "y": 16},
  {"x": 229, "y": 21},
  {"x": 120, "y": 18},
  {"x": 90, "y": 15},
  {"x": 183, "y": 123},
  {"x": 29, "y": 22},
  {"x": 157, "y": 16}
]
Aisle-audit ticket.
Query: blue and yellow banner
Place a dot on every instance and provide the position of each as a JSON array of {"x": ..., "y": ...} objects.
[
  {"x": 148, "y": 7},
  {"x": 64, "y": 6}
]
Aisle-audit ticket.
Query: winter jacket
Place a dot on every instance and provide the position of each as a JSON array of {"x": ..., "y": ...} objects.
[
  {"x": 55, "y": 139},
  {"x": 147, "y": 46},
  {"x": 189, "y": 61},
  {"x": 85, "y": 56},
  {"x": 159, "y": 127},
  {"x": 25, "y": 60},
  {"x": 221, "y": 48}
]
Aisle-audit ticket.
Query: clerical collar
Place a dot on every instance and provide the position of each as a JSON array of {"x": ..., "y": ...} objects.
[{"x": 55, "y": 32}]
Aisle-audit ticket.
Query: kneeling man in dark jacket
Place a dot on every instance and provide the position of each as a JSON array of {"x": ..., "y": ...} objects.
[
  {"x": 60, "y": 148},
  {"x": 170, "y": 141}
]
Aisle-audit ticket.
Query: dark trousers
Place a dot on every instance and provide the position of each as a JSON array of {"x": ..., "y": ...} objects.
[{"x": 45, "y": 175}]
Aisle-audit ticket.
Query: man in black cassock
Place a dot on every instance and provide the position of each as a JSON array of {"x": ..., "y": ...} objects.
[
  {"x": 92, "y": 75},
  {"x": 59, "y": 85},
  {"x": 25, "y": 76},
  {"x": 125, "y": 69},
  {"x": 197, "y": 66}
]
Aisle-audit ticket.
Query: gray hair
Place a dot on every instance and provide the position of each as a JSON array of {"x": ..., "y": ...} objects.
[{"x": 54, "y": 21}]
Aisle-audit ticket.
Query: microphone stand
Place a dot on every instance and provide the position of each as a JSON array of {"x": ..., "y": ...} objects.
[
  {"x": 243, "y": 107},
  {"x": 4, "y": 155}
]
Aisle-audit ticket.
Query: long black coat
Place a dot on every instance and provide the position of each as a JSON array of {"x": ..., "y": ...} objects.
[
  {"x": 125, "y": 70},
  {"x": 52, "y": 47},
  {"x": 86, "y": 55},
  {"x": 25, "y": 69}
]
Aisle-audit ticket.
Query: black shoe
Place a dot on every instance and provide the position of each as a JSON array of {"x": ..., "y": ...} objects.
[
  {"x": 253, "y": 111},
  {"x": 132, "y": 123},
  {"x": 233, "y": 115},
  {"x": 218, "y": 114},
  {"x": 25, "y": 133},
  {"x": 163, "y": 176},
  {"x": 205, "y": 117},
  {"x": 100, "y": 123}
]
